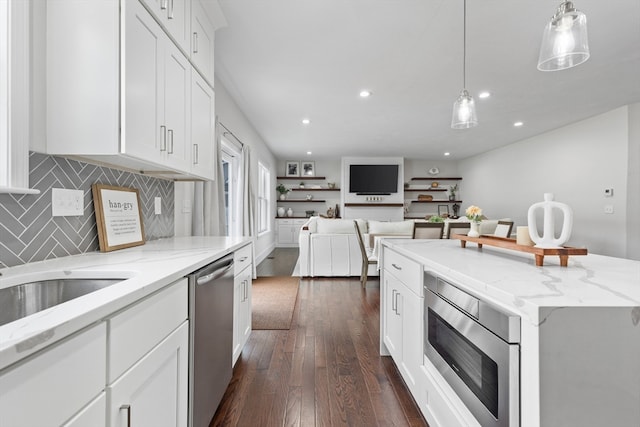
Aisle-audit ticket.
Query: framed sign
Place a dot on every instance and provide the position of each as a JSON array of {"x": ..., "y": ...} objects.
[
  {"x": 118, "y": 217},
  {"x": 308, "y": 168},
  {"x": 292, "y": 168}
]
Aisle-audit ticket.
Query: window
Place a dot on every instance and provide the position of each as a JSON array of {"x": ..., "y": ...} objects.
[
  {"x": 231, "y": 172},
  {"x": 264, "y": 185}
]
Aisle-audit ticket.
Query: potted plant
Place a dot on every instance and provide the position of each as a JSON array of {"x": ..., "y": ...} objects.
[
  {"x": 435, "y": 218},
  {"x": 452, "y": 192},
  {"x": 282, "y": 190},
  {"x": 301, "y": 184}
]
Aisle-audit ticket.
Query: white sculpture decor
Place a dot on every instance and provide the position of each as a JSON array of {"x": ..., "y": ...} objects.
[
  {"x": 548, "y": 239},
  {"x": 281, "y": 211}
]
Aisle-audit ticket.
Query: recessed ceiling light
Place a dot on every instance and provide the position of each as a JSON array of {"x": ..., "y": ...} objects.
[
  {"x": 447, "y": 153},
  {"x": 309, "y": 153},
  {"x": 306, "y": 121},
  {"x": 518, "y": 124},
  {"x": 365, "y": 94},
  {"x": 483, "y": 95}
]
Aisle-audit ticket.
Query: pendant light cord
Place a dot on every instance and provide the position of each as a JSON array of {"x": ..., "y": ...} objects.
[{"x": 464, "y": 46}]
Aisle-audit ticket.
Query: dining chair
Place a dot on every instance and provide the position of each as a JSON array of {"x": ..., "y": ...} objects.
[
  {"x": 458, "y": 228},
  {"x": 428, "y": 230},
  {"x": 503, "y": 229},
  {"x": 367, "y": 256}
]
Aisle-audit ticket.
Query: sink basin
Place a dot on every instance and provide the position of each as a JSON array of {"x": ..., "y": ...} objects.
[{"x": 25, "y": 299}]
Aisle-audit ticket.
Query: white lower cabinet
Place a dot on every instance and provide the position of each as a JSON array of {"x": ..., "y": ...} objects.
[
  {"x": 52, "y": 386},
  {"x": 288, "y": 231},
  {"x": 154, "y": 391},
  {"x": 91, "y": 415},
  {"x": 241, "y": 300}
]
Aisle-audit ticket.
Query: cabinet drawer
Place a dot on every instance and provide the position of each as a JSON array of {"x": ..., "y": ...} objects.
[
  {"x": 286, "y": 222},
  {"x": 408, "y": 271},
  {"x": 56, "y": 383},
  {"x": 242, "y": 258},
  {"x": 139, "y": 328}
]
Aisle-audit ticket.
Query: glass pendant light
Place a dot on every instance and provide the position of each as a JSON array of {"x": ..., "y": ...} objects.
[
  {"x": 564, "y": 42},
  {"x": 464, "y": 109}
]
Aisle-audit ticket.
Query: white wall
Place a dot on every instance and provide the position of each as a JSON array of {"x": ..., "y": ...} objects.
[
  {"x": 633, "y": 184},
  {"x": 576, "y": 163},
  {"x": 234, "y": 119}
]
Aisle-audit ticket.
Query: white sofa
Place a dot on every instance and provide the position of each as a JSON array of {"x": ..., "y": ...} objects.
[{"x": 330, "y": 248}]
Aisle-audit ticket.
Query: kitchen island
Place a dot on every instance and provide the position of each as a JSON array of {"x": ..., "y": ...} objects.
[
  {"x": 134, "y": 333},
  {"x": 579, "y": 336}
]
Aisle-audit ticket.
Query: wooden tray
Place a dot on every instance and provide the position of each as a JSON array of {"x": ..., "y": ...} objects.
[{"x": 506, "y": 243}]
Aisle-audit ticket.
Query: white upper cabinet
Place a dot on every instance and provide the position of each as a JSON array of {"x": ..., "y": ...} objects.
[
  {"x": 14, "y": 97},
  {"x": 119, "y": 88},
  {"x": 202, "y": 41},
  {"x": 175, "y": 17},
  {"x": 202, "y": 127}
]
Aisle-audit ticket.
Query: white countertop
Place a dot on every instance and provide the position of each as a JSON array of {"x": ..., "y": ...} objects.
[
  {"x": 147, "y": 269},
  {"x": 511, "y": 279}
]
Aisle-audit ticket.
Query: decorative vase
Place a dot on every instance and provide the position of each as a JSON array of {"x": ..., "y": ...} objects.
[
  {"x": 283, "y": 196},
  {"x": 281, "y": 211},
  {"x": 289, "y": 212},
  {"x": 474, "y": 231},
  {"x": 548, "y": 239}
]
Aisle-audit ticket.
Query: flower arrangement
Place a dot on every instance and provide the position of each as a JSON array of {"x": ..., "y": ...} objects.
[
  {"x": 474, "y": 213},
  {"x": 435, "y": 218}
]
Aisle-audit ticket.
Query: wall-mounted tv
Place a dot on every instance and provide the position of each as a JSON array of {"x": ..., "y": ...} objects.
[{"x": 373, "y": 179}]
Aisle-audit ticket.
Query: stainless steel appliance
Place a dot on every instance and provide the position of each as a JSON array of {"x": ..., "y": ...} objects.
[
  {"x": 210, "y": 338},
  {"x": 475, "y": 346}
]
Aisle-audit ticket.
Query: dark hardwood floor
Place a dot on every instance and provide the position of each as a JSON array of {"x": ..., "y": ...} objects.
[{"x": 324, "y": 371}]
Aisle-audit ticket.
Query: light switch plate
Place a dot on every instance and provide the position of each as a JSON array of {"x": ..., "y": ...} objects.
[
  {"x": 65, "y": 202},
  {"x": 158, "y": 205}
]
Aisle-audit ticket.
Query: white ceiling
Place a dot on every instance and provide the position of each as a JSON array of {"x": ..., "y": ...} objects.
[{"x": 284, "y": 60}]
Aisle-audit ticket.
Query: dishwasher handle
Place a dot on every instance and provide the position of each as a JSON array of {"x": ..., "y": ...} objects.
[{"x": 216, "y": 274}]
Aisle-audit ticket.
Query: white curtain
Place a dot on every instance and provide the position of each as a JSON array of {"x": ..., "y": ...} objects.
[
  {"x": 248, "y": 205},
  {"x": 208, "y": 202}
]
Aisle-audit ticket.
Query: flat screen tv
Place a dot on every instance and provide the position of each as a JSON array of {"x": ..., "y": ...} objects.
[{"x": 373, "y": 179}]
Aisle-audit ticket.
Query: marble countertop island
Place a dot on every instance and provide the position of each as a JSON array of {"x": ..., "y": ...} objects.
[
  {"x": 580, "y": 326},
  {"x": 146, "y": 269}
]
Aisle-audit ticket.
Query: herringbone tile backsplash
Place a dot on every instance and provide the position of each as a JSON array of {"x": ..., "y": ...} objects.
[{"x": 28, "y": 231}]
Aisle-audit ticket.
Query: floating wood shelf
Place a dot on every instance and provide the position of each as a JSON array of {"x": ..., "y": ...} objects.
[
  {"x": 426, "y": 189},
  {"x": 506, "y": 243},
  {"x": 314, "y": 189},
  {"x": 435, "y": 178},
  {"x": 301, "y": 201},
  {"x": 374, "y": 205},
  {"x": 301, "y": 178}
]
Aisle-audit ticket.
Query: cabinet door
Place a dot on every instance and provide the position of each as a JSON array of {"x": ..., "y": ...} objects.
[
  {"x": 392, "y": 326},
  {"x": 203, "y": 144},
  {"x": 92, "y": 415},
  {"x": 412, "y": 337},
  {"x": 144, "y": 50},
  {"x": 202, "y": 41},
  {"x": 174, "y": 16},
  {"x": 177, "y": 107},
  {"x": 241, "y": 311},
  {"x": 154, "y": 391}
]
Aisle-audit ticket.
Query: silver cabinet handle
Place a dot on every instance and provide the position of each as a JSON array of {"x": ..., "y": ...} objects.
[
  {"x": 195, "y": 154},
  {"x": 397, "y": 312},
  {"x": 396, "y": 267},
  {"x": 163, "y": 4},
  {"x": 170, "y": 14},
  {"x": 163, "y": 138},
  {"x": 243, "y": 259},
  {"x": 170, "y": 137},
  {"x": 393, "y": 300},
  {"x": 128, "y": 409},
  {"x": 195, "y": 42}
]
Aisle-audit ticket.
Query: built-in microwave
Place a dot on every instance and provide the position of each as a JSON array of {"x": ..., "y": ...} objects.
[{"x": 475, "y": 347}]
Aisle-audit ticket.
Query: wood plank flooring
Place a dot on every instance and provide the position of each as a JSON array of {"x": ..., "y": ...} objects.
[{"x": 324, "y": 371}]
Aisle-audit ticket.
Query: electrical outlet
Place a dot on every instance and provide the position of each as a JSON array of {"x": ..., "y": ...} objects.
[
  {"x": 66, "y": 202},
  {"x": 608, "y": 209},
  {"x": 158, "y": 205}
]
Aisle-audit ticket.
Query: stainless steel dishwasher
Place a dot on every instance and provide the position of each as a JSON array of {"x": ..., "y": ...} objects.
[{"x": 210, "y": 338}]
